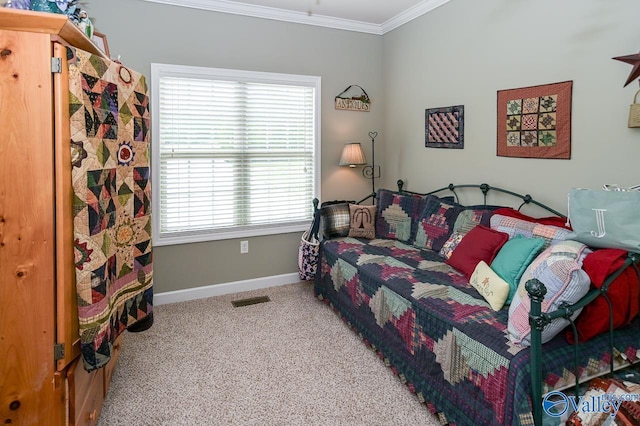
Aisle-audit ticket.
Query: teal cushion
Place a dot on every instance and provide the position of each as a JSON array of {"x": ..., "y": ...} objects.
[{"x": 513, "y": 259}]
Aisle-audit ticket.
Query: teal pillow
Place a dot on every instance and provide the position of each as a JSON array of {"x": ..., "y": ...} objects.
[{"x": 513, "y": 259}]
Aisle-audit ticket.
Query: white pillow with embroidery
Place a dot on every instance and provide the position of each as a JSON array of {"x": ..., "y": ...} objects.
[{"x": 494, "y": 289}]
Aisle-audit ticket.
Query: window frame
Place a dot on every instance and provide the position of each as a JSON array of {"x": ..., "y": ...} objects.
[{"x": 159, "y": 70}]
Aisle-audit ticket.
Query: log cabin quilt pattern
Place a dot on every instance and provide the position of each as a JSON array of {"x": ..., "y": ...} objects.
[
  {"x": 109, "y": 116},
  {"x": 441, "y": 337}
]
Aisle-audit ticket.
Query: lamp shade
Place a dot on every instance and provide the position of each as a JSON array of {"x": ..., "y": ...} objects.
[{"x": 352, "y": 155}]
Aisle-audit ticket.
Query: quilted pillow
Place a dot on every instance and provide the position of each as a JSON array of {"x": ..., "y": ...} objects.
[
  {"x": 560, "y": 222},
  {"x": 514, "y": 258},
  {"x": 468, "y": 219},
  {"x": 514, "y": 226},
  {"x": 479, "y": 244},
  {"x": 450, "y": 245},
  {"x": 559, "y": 268},
  {"x": 397, "y": 214},
  {"x": 335, "y": 220},
  {"x": 490, "y": 286},
  {"x": 362, "y": 221},
  {"x": 623, "y": 294},
  {"x": 472, "y": 216},
  {"x": 436, "y": 223}
]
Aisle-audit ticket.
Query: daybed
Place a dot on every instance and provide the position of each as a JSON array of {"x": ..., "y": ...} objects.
[{"x": 461, "y": 349}]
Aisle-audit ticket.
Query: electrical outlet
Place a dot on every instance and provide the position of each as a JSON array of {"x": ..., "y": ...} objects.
[{"x": 244, "y": 247}]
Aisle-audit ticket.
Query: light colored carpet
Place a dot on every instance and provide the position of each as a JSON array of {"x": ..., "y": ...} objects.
[{"x": 290, "y": 361}]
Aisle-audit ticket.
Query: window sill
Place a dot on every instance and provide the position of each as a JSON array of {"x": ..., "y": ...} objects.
[{"x": 203, "y": 236}]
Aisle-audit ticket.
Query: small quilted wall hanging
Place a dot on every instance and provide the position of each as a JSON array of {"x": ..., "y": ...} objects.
[
  {"x": 535, "y": 122},
  {"x": 444, "y": 127}
]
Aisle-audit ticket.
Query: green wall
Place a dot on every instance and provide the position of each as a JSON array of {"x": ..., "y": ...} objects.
[
  {"x": 463, "y": 52},
  {"x": 143, "y": 32},
  {"x": 460, "y": 53}
]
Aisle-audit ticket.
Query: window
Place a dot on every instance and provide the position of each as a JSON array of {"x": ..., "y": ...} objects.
[{"x": 234, "y": 154}]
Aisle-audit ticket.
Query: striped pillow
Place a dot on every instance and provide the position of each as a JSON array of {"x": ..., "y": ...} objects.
[
  {"x": 559, "y": 268},
  {"x": 514, "y": 227},
  {"x": 335, "y": 219}
]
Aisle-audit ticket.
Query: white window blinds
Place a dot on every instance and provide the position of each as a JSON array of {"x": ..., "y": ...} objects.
[{"x": 236, "y": 152}]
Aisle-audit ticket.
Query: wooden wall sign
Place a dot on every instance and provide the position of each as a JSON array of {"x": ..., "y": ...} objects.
[{"x": 358, "y": 100}]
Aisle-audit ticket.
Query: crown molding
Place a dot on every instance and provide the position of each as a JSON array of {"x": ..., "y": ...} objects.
[
  {"x": 256, "y": 11},
  {"x": 411, "y": 14}
]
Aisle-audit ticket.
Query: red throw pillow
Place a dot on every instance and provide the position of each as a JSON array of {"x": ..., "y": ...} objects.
[
  {"x": 550, "y": 220},
  {"x": 623, "y": 293},
  {"x": 481, "y": 243}
]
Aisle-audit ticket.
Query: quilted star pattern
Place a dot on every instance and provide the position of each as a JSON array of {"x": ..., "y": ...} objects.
[
  {"x": 109, "y": 119},
  {"x": 532, "y": 121}
]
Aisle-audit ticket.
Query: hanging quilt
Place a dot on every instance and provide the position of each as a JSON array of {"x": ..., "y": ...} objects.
[{"x": 109, "y": 111}]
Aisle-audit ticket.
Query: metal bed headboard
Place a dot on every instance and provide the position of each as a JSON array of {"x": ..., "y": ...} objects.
[
  {"x": 484, "y": 188},
  {"x": 537, "y": 290}
]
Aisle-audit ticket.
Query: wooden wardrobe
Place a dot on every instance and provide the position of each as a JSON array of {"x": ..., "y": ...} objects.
[{"x": 42, "y": 379}]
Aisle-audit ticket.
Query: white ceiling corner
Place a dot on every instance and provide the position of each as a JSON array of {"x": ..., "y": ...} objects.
[
  {"x": 411, "y": 14},
  {"x": 415, "y": 9}
]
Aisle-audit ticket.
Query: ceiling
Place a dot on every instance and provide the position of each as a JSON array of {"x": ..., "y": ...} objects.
[
  {"x": 367, "y": 16},
  {"x": 371, "y": 11}
]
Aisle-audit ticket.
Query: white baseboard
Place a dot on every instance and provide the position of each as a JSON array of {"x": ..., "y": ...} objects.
[{"x": 225, "y": 288}]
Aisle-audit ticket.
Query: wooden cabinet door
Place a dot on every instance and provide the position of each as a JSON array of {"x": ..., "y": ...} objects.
[
  {"x": 29, "y": 390},
  {"x": 66, "y": 300}
]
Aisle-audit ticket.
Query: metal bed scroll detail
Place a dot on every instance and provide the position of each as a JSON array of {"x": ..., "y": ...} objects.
[{"x": 537, "y": 291}]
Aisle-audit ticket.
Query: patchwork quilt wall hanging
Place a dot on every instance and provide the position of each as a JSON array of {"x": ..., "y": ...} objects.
[
  {"x": 109, "y": 115},
  {"x": 444, "y": 127},
  {"x": 535, "y": 122}
]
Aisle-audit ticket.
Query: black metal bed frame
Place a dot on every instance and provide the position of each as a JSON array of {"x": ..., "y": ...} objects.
[{"x": 537, "y": 290}]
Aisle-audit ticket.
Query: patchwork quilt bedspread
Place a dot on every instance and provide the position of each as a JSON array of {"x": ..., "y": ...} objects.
[{"x": 442, "y": 337}]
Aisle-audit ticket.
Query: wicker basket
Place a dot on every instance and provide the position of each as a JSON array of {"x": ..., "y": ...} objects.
[{"x": 634, "y": 112}]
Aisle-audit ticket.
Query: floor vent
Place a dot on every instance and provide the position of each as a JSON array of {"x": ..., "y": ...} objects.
[{"x": 250, "y": 301}]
